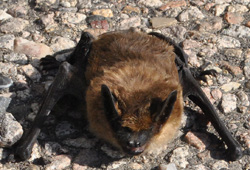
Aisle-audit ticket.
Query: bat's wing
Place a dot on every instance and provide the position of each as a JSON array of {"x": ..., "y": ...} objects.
[
  {"x": 68, "y": 80},
  {"x": 192, "y": 90}
]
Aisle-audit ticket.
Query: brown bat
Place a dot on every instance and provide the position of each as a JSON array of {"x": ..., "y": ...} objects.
[{"x": 133, "y": 85}]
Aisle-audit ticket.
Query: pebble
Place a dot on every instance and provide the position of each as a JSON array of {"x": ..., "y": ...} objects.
[
  {"x": 216, "y": 94},
  {"x": 179, "y": 156},
  {"x": 190, "y": 44},
  {"x": 11, "y": 130},
  {"x": 130, "y": 9},
  {"x": 10, "y": 26},
  {"x": 170, "y": 166},
  {"x": 18, "y": 11},
  {"x": 31, "y": 72},
  {"x": 130, "y": 22},
  {"x": 4, "y": 15},
  {"x": 237, "y": 8},
  {"x": 233, "y": 18},
  {"x": 151, "y": 3},
  {"x": 233, "y": 53},
  {"x": 31, "y": 48},
  {"x": 220, "y": 165},
  {"x": 173, "y": 4},
  {"x": 80, "y": 142},
  {"x": 135, "y": 166},
  {"x": 86, "y": 157},
  {"x": 52, "y": 148},
  {"x": 100, "y": 24},
  {"x": 213, "y": 25},
  {"x": 4, "y": 102},
  {"x": 245, "y": 138},
  {"x": 71, "y": 3},
  {"x": 230, "y": 86},
  {"x": 16, "y": 58},
  {"x": 219, "y": 9},
  {"x": 222, "y": 1},
  {"x": 7, "y": 41},
  {"x": 159, "y": 22},
  {"x": 65, "y": 129},
  {"x": 233, "y": 69},
  {"x": 73, "y": 18},
  {"x": 59, "y": 162},
  {"x": 228, "y": 103},
  {"x": 48, "y": 19},
  {"x": 237, "y": 31},
  {"x": 207, "y": 92},
  {"x": 199, "y": 140},
  {"x": 61, "y": 43},
  {"x": 227, "y": 42},
  {"x": 243, "y": 98},
  {"x": 103, "y": 12},
  {"x": 193, "y": 13}
]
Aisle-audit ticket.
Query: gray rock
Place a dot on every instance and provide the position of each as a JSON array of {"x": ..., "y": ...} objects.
[
  {"x": 192, "y": 13},
  {"x": 159, "y": 22},
  {"x": 11, "y": 131},
  {"x": 230, "y": 86},
  {"x": 31, "y": 72},
  {"x": 175, "y": 32},
  {"x": 4, "y": 15},
  {"x": 13, "y": 25},
  {"x": 212, "y": 25},
  {"x": 4, "y": 103},
  {"x": 219, "y": 9},
  {"x": 7, "y": 41},
  {"x": 170, "y": 166},
  {"x": 52, "y": 148},
  {"x": 65, "y": 129},
  {"x": 220, "y": 165},
  {"x": 73, "y": 18},
  {"x": 179, "y": 156},
  {"x": 247, "y": 68},
  {"x": 151, "y": 3},
  {"x": 237, "y": 31},
  {"x": 237, "y": 8},
  {"x": 227, "y": 42},
  {"x": 228, "y": 103},
  {"x": 243, "y": 98},
  {"x": 130, "y": 22},
  {"x": 59, "y": 162},
  {"x": 61, "y": 43},
  {"x": 81, "y": 142},
  {"x": 16, "y": 58},
  {"x": 86, "y": 157}
]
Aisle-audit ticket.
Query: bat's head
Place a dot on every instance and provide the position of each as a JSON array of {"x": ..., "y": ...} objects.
[{"x": 134, "y": 123}]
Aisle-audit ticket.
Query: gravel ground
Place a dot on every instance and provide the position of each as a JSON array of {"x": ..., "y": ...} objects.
[{"x": 215, "y": 31}]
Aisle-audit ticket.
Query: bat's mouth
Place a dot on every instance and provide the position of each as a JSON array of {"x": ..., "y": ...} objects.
[{"x": 134, "y": 150}]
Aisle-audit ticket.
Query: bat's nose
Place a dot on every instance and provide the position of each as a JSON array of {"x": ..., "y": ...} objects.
[{"x": 134, "y": 143}]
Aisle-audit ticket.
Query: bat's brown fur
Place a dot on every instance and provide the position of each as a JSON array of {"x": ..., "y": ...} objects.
[{"x": 136, "y": 67}]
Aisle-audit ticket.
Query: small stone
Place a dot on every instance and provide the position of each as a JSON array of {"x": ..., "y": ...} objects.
[
  {"x": 73, "y": 18},
  {"x": 192, "y": 13},
  {"x": 7, "y": 41},
  {"x": 31, "y": 49},
  {"x": 248, "y": 24},
  {"x": 14, "y": 25},
  {"x": 151, "y": 3},
  {"x": 199, "y": 140},
  {"x": 61, "y": 43},
  {"x": 207, "y": 92},
  {"x": 95, "y": 32},
  {"x": 233, "y": 53},
  {"x": 65, "y": 129},
  {"x": 237, "y": 31},
  {"x": 48, "y": 19},
  {"x": 220, "y": 165},
  {"x": 190, "y": 44},
  {"x": 31, "y": 72},
  {"x": 135, "y": 166},
  {"x": 213, "y": 25},
  {"x": 130, "y": 22},
  {"x": 81, "y": 142},
  {"x": 247, "y": 68},
  {"x": 216, "y": 94},
  {"x": 159, "y": 22},
  {"x": 18, "y": 11},
  {"x": 176, "y": 31},
  {"x": 222, "y": 1},
  {"x": 230, "y": 86},
  {"x": 100, "y": 24},
  {"x": 237, "y": 8},
  {"x": 103, "y": 12},
  {"x": 115, "y": 165},
  {"x": 233, "y": 69},
  {"x": 179, "y": 156},
  {"x": 69, "y": 3},
  {"x": 192, "y": 58},
  {"x": 208, "y": 50},
  {"x": 52, "y": 148},
  {"x": 243, "y": 98},
  {"x": 200, "y": 167},
  {"x": 173, "y": 4},
  {"x": 11, "y": 130},
  {"x": 208, "y": 6},
  {"x": 227, "y": 42},
  {"x": 130, "y": 9},
  {"x": 233, "y": 18},
  {"x": 35, "y": 154},
  {"x": 59, "y": 162},
  {"x": 4, "y": 15},
  {"x": 204, "y": 155},
  {"x": 245, "y": 138},
  {"x": 219, "y": 9},
  {"x": 228, "y": 103},
  {"x": 4, "y": 102},
  {"x": 170, "y": 166}
]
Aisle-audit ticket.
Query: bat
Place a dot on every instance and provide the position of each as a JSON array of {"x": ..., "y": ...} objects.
[{"x": 134, "y": 85}]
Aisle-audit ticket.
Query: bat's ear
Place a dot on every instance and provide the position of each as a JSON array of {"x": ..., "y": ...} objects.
[
  {"x": 166, "y": 107},
  {"x": 109, "y": 103}
]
